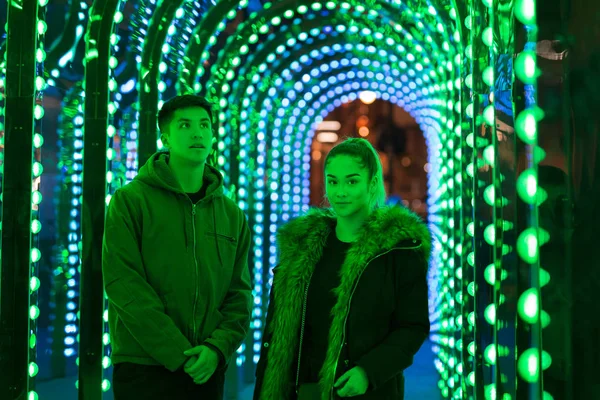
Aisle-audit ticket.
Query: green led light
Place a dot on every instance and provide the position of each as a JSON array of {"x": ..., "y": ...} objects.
[
  {"x": 527, "y": 245},
  {"x": 525, "y": 67},
  {"x": 545, "y": 317},
  {"x": 488, "y": 36},
  {"x": 489, "y": 234},
  {"x": 490, "y": 354},
  {"x": 471, "y": 348},
  {"x": 34, "y": 283},
  {"x": 36, "y": 226},
  {"x": 527, "y": 365},
  {"x": 527, "y": 186},
  {"x": 36, "y": 197},
  {"x": 490, "y": 314},
  {"x": 118, "y": 17},
  {"x": 38, "y": 112},
  {"x": 38, "y": 140},
  {"x": 471, "y": 229},
  {"x": 34, "y": 313},
  {"x": 42, "y": 27},
  {"x": 525, "y": 11},
  {"x": 40, "y": 83},
  {"x": 35, "y": 255},
  {"x": 528, "y": 306},
  {"x": 471, "y": 258},
  {"x": 544, "y": 277},
  {"x": 489, "y": 115},
  {"x": 106, "y": 362},
  {"x": 488, "y": 75},
  {"x": 33, "y": 369},
  {"x": 489, "y": 155}
]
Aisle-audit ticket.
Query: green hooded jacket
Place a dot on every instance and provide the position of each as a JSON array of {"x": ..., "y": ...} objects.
[{"x": 175, "y": 273}]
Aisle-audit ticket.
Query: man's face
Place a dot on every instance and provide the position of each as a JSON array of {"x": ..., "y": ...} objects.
[
  {"x": 189, "y": 135},
  {"x": 347, "y": 185}
]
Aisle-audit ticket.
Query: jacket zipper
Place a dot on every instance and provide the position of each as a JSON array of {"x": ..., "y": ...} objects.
[
  {"x": 195, "y": 272},
  {"x": 302, "y": 332},
  {"x": 331, "y": 395}
]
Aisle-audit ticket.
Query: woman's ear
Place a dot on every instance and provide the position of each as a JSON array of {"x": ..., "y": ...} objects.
[
  {"x": 374, "y": 183},
  {"x": 165, "y": 140}
]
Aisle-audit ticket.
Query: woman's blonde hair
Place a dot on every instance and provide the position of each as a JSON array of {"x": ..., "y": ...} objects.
[{"x": 362, "y": 150}]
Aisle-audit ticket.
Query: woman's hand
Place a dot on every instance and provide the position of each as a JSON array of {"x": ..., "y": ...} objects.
[{"x": 353, "y": 383}]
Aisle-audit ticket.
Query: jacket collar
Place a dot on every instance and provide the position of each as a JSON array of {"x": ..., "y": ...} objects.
[
  {"x": 300, "y": 244},
  {"x": 156, "y": 172}
]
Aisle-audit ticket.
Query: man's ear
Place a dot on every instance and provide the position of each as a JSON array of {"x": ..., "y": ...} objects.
[{"x": 165, "y": 140}]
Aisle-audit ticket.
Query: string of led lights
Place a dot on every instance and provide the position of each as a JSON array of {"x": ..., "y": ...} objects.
[
  {"x": 116, "y": 172},
  {"x": 129, "y": 83},
  {"x": 499, "y": 234},
  {"x": 444, "y": 209},
  {"x": 65, "y": 288},
  {"x": 461, "y": 332},
  {"x": 487, "y": 174},
  {"x": 205, "y": 35},
  {"x": 2, "y": 97},
  {"x": 62, "y": 53},
  {"x": 532, "y": 359},
  {"x": 149, "y": 93},
  {"x": 177, "y": 40},
  {"x": 65, "y": 285},
  {"x": 37, "y": 169},
  {"x": 68, "y": 209}
]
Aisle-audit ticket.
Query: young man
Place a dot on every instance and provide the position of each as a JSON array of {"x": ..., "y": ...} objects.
[{"x": 175, "y": 266}]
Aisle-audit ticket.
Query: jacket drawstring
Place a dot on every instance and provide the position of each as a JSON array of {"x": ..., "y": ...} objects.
[
  {"x": 215, "y": 229},
  {"x": 186, "y": 227}
]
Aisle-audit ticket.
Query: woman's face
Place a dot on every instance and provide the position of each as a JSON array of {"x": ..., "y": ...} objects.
[{"x": 347, "y": 185}]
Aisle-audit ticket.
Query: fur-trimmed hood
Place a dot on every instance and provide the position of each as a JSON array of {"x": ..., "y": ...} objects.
[{"x": 300, "y": 244}]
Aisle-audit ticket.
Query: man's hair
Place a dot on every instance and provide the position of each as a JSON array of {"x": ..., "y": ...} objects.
[
  {"x": 364, "y": 153},
  {"x": 165, "y": 115}
]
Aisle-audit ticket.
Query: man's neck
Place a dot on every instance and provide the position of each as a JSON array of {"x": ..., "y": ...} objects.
[
  {"x": 347, "y": 228},
  {"x": 189, "y": 176}
]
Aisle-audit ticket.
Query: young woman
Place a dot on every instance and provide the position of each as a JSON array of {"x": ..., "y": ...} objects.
[{"x": 348, "y": 307}]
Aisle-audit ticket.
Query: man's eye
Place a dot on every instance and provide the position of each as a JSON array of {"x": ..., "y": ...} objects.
[{"x": 184, "y": 125}]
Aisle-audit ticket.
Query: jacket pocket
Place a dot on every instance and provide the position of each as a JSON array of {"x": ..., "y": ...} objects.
[{"x": 227, "y": 248}]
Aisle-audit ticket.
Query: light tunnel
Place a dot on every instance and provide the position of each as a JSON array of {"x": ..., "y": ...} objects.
[{"x": 274, "y": 70}]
